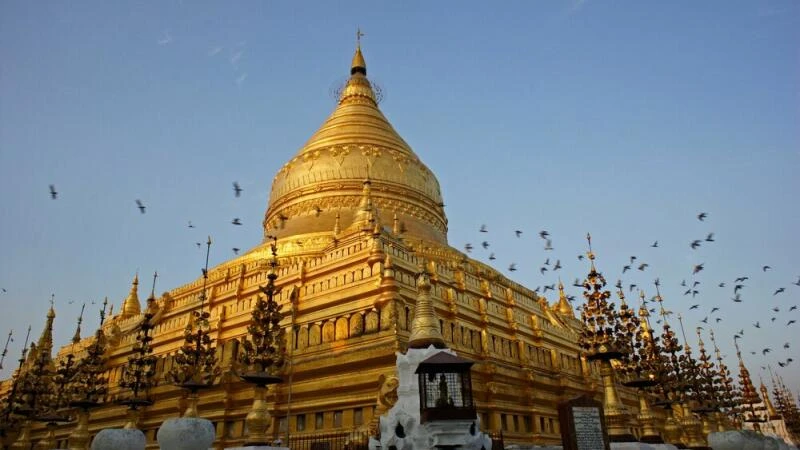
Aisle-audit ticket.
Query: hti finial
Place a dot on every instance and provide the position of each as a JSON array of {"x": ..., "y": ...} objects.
[
  {"x": 5, "y": 349},
  {"x": 77, "y": 337},
  {"x": 52, "y": 300},
  {"x": 359, "y": 34}
]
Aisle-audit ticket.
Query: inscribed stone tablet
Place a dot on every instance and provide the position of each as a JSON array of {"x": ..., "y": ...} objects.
[{"x": 588, "y": 428}]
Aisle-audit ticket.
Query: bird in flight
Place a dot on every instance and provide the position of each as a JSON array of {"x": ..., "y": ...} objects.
[
  {"x": 237, "y": 190},
  {"x": 719, "y": 319},
  {"x": 483, "y": 229},
  {"x": 53, "y": 193},
  {"x": 710, "y": 237},
  {"x": 643, "y": 266},
  {"x": 468, "y": 247},
  {"x": 694, "y": 306},
  {"x": 695, "y": 244},
  {"x": 235, "y": 251},
  {"x": 492, "y": 257},
  {"x": 702, "y": 216},
  {"x": 786, "y": 345},
  {"x": 797, "y": 283},
  {"x": 714, "y": 309},
  {"x": 557, "y": 266},
  {"x": 741, "y": 279},
  {"x": 626, "y": 268},
  {"x": 518, "y": 233},
  {"x": 655, "y": 244},
  {"x": 790, "y": 322},
  {"x": 548, "y": 245},
  {"x": 790, "y": 309},
  {"x": 190, "y": 224},
  {"x": 737, "y": 288},
  {"x": 141, "y": 206},
  {"x": 512, "y": 267},
  {"x": 737, "y": 298},
  {"x": 544, "y": 234},
  {"x": 779, "y": 290},
  {"x": 542, "y": 270},
  {"x": 697, "y": 268},
  {"x": 580, "y": 258},
  {"x": 485, "y": 245},
  {"x": 197, "y": 244},
  {"x": 721, "y": 284},
  {"x": 766, "y": 268},
  {"x": 236, "y": 221},
  {"x": 757, "y": 325},
  {"x": 766, "y": 350}
]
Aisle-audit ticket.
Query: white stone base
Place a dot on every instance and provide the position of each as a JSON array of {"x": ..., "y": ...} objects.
[
  {"x": 119, "y": 439},
  {"x": 641, "y": 446},
  {"x": 258, "y": 447},
  {"x": 186, "y": 433}
]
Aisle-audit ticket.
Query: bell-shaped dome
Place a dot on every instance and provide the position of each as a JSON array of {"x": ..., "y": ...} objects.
[{"x": 356, "y": 143}]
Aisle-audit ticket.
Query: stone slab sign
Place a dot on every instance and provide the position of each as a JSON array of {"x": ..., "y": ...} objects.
[{"x": 583, "y": 425}]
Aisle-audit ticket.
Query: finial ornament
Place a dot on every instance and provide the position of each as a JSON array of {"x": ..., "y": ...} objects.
[
  {"x": 425, "y": 329},
  {"x": 359, "y": 34}
]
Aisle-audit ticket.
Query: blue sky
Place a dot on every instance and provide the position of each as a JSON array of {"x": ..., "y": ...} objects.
[{"x": 623, "y": 119}]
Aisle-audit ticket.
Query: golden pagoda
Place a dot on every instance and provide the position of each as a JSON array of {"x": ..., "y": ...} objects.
[{"x": 354, "y": 214}]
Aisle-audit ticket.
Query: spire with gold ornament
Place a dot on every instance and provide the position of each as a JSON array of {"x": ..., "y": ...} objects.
[
  {"x": 131, "y": 306},
  {"x": 425, "y": 326},
  {"x": 772, "y": 414},
  {"x": 325, "y": 178},
  {"x": 563, "y": 308}
]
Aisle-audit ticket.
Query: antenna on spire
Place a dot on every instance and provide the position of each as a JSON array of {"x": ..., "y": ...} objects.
[
  {"x": 52, "y": 300},
  {"x": 103, "y": 311},
  {"x": 155, "y": 275},
  {"x": 77, "y": 337},
  {"x": 5, "y": 349},
  {"x": 205, "y": 274}
]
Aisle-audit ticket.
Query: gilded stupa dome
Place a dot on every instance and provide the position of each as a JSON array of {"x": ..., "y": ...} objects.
[{"x": 325, "y": 179}]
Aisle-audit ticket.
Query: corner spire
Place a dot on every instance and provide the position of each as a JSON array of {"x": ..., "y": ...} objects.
[
  {"x": 564, "y": 308},
  {"x": 358, "y": 65},
  {"x": 131, "y": 306},
  {"x": 425, "y": 326},
  {"x": 76, "y": 338},
  {"x": 45, "y": 343}
]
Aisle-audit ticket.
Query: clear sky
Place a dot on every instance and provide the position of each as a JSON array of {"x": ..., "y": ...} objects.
[{"x": 623, "y": 119}]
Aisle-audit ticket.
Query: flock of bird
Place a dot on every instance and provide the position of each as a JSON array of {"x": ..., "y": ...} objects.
[
  {"x": 237, "y": 192},
  {"x": 634, "y": 263},
  {"x": 706, "y": 313}
]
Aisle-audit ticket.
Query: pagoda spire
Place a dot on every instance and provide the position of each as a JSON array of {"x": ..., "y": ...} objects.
[
  {"x": 359, "y": 65},
  {"x": 749, "y": 395},
  {"x": 425, "y": 326},
  {"x": 771, "y": 412},
  {"x": 131, "y": 306}
]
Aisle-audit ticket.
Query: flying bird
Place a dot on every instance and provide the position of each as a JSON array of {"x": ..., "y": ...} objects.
[
  {"x": 790, "y": 309},
  {"x": 632, "y": 287},
  {"x": 737, "y": 298},
  {"x": 485, "y": 245},
  {"x": 776, "y": 309},
  {"x": 705, "y": 319},
  {"x": 721, "y": 284},
  {"x": 766, "y": 350},
  {"x": 710, "y": 237},
  {"x": 543, "y": 234},
  {"x": 518, "y": 233},
  {"x": 786, "y": 345},
  {"x": 197, "y": 244},
  {"x": 714, "y": 309},
  {"x": 235, "y": 251},
  {"x": 512, "y": 267},
  {"x": 790, "y": 322},
  {"x": 718, "y": 319},
  {"x": 53, "y": 193},
  {"x": 492, "y": 257},
  {"x": 766, "y": 268},
  {"x": 236, "y": 221},
  {"x": 797, "y": 283},
  {"x": 757, "y": 325},
  {"x": 633, "y": 258},
  {"x": 557, "y": 266},
  {"x": 190, "y": 224},
  {"x": 683, "y": 283},
  {"x": 695, "y": 244},
  {"x": 625, "y": 268},
  {"x": 140, "y": 205},
  {"x": 702, "y": 216},
  {"x": 737, "y": 288},
  {"x": 237, "y": 190},
  {"x": 548, "y": 245},
  {"x": 468, "y": 247},
  {"x": 542, "y": 270},
  {"x": 643, "y": 266},
  {"x": 741, "y": 279},
  {"x": 694, "y": 306},
  {"x": 779, "y": 290},
  {"x": 580, "y": 258},
  {"x": 551, "y": 287},
  {"x": 483, "y": 229},
  {"x": 655, "y": 244},
  {"x": 697, "y": 268}
]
